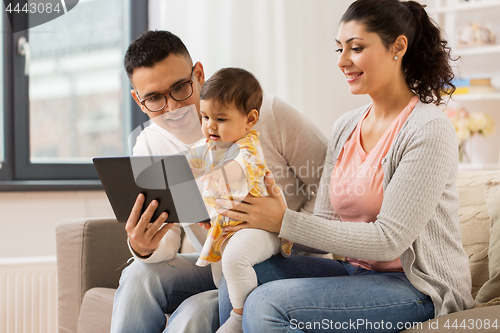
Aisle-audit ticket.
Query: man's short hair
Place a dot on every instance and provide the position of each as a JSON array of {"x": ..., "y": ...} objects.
[
  {"x": 150, "y": 48},
  {"x": 233, "y": 86}
]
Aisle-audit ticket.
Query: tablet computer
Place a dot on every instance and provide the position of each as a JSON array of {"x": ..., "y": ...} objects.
[{"x": 167, "y": 179}]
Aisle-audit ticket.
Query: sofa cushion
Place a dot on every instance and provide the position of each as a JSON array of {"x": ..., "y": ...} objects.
[
  {"x": 494, "y": 301},
  {"x": 491, "y": 288},
  {"x": 91, "y": 252},
  {"x": 475, "y": 222},
  {"x": 96, "y": 311}
]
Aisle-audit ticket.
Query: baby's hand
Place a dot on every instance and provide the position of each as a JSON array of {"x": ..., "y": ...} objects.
[
  {"x": 215, "y": 182},
  {"x": 204, "y": 225}
]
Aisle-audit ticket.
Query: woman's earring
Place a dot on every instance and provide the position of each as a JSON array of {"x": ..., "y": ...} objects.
[{"x": 395, "y": 57}]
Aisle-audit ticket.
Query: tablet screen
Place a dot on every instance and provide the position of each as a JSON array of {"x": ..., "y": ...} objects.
[{"x": 167, "y": 179}]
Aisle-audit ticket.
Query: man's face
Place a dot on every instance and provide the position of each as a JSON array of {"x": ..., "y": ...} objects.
[{"x": 181, "y": 118}]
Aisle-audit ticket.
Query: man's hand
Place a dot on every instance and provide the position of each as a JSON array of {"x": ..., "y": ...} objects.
[{"x": 145, "y": 237}]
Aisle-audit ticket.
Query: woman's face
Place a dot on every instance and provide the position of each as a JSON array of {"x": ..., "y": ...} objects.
[{"x": 367, "y": 64}]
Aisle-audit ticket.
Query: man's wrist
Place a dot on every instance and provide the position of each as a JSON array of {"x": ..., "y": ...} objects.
[{"x": 139, "y": 255}]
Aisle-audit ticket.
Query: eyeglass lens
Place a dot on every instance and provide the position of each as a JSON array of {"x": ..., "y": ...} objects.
[{"x": 180, "y": 93}]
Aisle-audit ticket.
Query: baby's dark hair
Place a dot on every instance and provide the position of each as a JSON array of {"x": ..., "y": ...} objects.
[
  {"x": 426, "y": 63},
  {"x": 150, "y": 48},
  {"x": 233, "y": 86}
]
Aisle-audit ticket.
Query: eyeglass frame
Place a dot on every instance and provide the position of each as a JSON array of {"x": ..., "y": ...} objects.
[{"x": 168, "y": 92}]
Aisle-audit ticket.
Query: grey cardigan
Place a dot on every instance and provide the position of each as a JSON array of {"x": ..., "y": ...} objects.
[{"x": 418, "y": 220}]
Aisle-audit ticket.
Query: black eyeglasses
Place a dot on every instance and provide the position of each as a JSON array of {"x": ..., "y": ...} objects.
[{"x": 179, "y": 92}]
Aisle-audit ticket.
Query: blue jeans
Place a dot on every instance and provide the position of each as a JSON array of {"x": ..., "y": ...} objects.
[
  {"x": 148, "y": 291},
  {"x": 356, "y": 300}
]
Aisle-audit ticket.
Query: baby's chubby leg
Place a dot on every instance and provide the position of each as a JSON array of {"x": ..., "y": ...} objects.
[{"x": 244, "y": 249}]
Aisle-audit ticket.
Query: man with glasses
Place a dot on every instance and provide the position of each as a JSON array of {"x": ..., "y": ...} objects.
[{"x": 166, "y": 85}]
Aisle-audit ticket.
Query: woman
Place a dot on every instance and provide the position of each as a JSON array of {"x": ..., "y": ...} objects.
[{"x": 387, "y": 199}]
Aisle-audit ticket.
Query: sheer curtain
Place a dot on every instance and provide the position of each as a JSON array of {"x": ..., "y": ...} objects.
[{"x": 288, "y": 44}]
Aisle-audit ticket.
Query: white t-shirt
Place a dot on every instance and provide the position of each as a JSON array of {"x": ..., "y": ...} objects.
[{"x": 155, "y": 140}]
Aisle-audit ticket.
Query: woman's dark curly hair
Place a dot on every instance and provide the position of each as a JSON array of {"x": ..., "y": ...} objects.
[{"x": 426, "y": 63}]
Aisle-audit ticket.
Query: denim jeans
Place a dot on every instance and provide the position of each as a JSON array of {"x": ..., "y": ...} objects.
[
  {"x": 148, "y": 291},
  {"x": 279, "y": 268},
  {"x": 349, "y": 300}
]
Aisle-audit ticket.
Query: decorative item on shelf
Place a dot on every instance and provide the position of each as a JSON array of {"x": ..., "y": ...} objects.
[
  {"x": 480, "y": 83},
  {"x": 462, "y": 85},
  {"x": 469, "y": 124},
  {"x": 476, "y": 34}
]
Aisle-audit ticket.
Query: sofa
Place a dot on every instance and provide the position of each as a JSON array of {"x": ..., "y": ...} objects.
[{"x": 91, "y": 253}]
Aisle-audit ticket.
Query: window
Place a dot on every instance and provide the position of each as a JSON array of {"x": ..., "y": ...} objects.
[
  {"x": 2, "y": 153},
  {"x": 68, "y": 99}
]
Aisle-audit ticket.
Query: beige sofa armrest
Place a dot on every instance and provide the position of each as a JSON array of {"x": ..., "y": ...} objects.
[
  {"x": 475, "y": 321},
  {"x": 90, "y": 253}
]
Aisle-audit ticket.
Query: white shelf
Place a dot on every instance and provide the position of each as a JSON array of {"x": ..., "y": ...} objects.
[
  {"x": 477, "y": 97},
  {"x": 480, "y": 50},
  {"x": 465, "y": 7},
  {"x": 451, "y": 15},
  {"x": 478, "y": 166}
]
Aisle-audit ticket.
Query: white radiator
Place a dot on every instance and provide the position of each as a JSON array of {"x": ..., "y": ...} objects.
[{"x": 28, "y": 295}]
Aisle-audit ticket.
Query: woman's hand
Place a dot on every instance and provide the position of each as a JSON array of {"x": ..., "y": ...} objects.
[
  {"x": 264, "y": 213},
  {"x": 144, "y": 237}
]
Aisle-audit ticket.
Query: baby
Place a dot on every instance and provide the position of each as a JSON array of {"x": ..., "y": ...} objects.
[{"x": 232, "y": 164}]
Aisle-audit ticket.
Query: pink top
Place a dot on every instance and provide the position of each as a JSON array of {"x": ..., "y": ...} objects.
[{"x": 356, "y": 190}]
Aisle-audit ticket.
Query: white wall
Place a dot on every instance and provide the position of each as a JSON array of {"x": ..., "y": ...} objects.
[
  {"x": 28, "y": 219},
  {"x": 288, "y": 44}
]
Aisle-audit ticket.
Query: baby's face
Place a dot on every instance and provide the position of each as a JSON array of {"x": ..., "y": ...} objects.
[{"x": 221, "y": 123}]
